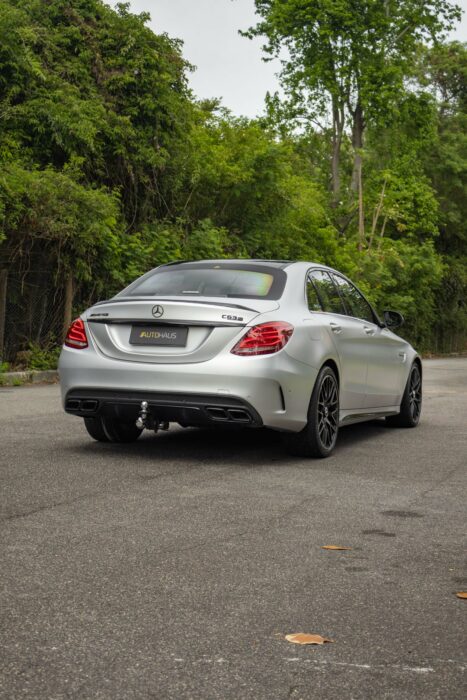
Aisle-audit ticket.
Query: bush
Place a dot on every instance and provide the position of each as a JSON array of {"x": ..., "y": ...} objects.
[{"x": 43, "y": 358}]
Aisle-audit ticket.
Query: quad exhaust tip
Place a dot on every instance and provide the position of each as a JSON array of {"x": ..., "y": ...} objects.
[
  {"x": 228, "y": 415},
  {"x": 87, "y": 405}
]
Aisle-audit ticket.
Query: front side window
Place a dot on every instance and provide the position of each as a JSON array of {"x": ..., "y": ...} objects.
[
  {"x": 355, "y": 303},
  {"x": 327, "y": 292},
  {"x": 211, "y": 280}
]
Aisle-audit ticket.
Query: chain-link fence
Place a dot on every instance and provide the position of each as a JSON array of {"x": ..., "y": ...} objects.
[
  {"x": 33, "y": 313},
  {"x": 37, "y": 302}
]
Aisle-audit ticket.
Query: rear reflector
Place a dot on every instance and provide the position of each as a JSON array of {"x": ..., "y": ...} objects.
[
  {"x": 264, "y": 339},
  {"x": 76, "y": 336}
]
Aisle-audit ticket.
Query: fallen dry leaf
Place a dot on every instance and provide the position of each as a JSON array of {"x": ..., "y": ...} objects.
[
  {"x": 462, "y": 594},
  {"x": 302, "y": 638},
  {"x": 334, "y": 546}
]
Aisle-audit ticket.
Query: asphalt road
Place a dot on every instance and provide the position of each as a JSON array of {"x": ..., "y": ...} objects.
[{"x": 173, "y": 568}]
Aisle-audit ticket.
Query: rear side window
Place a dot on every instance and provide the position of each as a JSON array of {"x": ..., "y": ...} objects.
[
  {"x": 356, "y": 304},
  {"x": 314, "y": 303},
  {"x": 211, "y": 280},
  {"x": 327, "y": 292}
]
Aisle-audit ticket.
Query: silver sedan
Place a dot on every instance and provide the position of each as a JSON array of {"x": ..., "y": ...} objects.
[{"x": 292, "y": 346}]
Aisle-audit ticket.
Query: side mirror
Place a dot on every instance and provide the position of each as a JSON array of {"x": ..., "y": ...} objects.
[{"x": 393, "y": 319}]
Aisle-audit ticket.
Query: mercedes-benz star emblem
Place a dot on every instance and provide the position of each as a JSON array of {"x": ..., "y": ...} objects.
[{"x": 157, "y": 311}]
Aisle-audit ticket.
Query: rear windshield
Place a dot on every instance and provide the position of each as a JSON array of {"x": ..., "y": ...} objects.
[{"x": 252, "y": 282}]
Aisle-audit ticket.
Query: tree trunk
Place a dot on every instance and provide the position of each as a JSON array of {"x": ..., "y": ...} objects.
[
  {"x": 376, "y": 214},
  {"x": 337, "y": 131},
  {"x": 3, "y": 288},
  {"x": 361, "y": 213},
  {"x": 67, "y": 305},
  {"x": 381, "y": 235},
  {"x": 357, "y": 180}
]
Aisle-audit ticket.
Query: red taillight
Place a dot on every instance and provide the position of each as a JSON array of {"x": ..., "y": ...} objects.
[
  {"x": 76, "y": 336},
  {"x": 264, "y": 339}
]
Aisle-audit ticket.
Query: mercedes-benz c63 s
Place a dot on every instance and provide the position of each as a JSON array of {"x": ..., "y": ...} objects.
[{"x": 292, "y": 346}]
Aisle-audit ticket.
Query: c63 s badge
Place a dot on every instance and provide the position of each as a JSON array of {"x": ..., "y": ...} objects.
[{"x": 228, "y": 317}]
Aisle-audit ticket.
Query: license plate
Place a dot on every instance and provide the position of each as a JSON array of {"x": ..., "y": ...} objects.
[{"x": 159, "y": 335}]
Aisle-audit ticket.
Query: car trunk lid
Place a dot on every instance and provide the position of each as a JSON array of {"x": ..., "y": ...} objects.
[{"x": 169, "y": 330}]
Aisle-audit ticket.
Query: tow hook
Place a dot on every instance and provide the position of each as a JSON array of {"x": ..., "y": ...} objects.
[
  {"x": 146, "y": 420},
  {"x": 141, "y": 421}
]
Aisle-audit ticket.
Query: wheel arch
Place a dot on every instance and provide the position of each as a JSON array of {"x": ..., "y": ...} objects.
[
  {"x": 332, "y": 364},
  {"x": 418, "y": 361},
  {"x": 415, "y": 361}
]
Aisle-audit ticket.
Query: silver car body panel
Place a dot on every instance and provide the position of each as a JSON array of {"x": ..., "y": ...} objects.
[{"x": 372, "y": 363}]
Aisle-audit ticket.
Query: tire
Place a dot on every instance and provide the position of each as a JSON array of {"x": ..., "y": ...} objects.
[
  {"x": 105, "y": 429},
  {"x": 318, "y": 438},
  {"x": 95, "y": 429},
  {"x": 411, "y": 404}
]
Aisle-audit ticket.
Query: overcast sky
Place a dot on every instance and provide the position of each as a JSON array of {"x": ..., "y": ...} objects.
[{"x": 227, "y": 65}]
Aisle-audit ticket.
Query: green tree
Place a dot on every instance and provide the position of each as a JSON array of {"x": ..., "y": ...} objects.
[
  {"x": 347, "y": 59},
  {"x": 95, "y": 88},
  {"x": 443, "y": 71}
]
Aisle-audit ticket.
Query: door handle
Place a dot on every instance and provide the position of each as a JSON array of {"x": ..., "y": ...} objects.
[
  {"x": 335, "y": 327},
  {"x": 368, "y": 330}
]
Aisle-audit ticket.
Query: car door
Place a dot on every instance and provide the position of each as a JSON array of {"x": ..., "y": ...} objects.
[
  {"x": 387, "y": 370},
  {"x": 384, "y": 350},
  {"x": 347, "y": 336}
]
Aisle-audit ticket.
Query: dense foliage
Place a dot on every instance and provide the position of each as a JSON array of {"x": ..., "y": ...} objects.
[{"x": 108, "y": 166}]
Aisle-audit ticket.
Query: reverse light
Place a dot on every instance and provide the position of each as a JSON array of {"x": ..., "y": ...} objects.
[
  {"x": 76, "y": 335},
  {"x": 264, "y": 339}
]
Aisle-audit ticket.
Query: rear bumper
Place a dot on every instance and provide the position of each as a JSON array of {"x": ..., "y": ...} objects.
[
  {"x": 188, "y": 409},
  {"x": 275, "y": 389}
]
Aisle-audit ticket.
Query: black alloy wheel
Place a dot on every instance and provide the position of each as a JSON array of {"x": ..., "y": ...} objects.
[
  {"x": 411, "y": 404},
  {"x": 318, "y": 438},
  {"x": 328, "y": 411},
  {"x": 415, "y": 394}
]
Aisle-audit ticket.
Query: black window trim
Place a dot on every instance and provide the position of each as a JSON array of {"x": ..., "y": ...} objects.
[
  {"x": 331, "y": 272},
  {"x": 307, "y": 282},
  {"x": 376, "y": 320},
  {"x": 323, "y": 269}
]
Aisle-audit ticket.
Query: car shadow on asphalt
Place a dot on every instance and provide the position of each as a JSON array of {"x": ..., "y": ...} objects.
[{"x": 256, "y": 447}]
